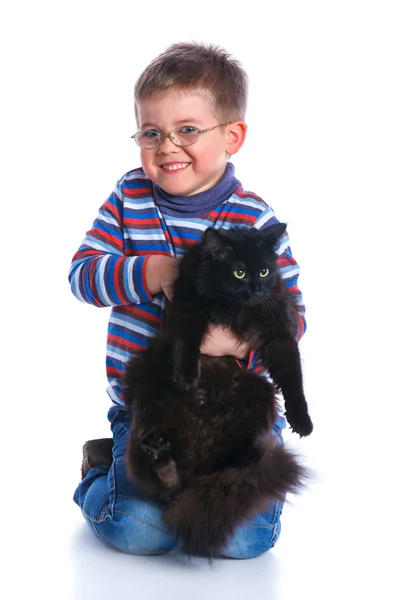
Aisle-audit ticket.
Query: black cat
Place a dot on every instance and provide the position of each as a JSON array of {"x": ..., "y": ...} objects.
[
  {"x": 200, "y": 433},
  {"x": 231, "y": 279}
]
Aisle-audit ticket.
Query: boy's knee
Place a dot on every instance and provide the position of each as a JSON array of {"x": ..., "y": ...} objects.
[
  {"x": 145, "y": 544},
  {"x": 250, "y": 542},
  {"x": 137, "y": 529},
  {"x": 133, "y": 536}
]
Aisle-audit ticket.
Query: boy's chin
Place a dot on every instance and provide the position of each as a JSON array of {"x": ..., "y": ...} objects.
[{"x": 176, "y": 189}]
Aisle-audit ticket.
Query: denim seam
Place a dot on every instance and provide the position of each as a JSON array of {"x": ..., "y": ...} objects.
[
  {"x": 114, "y": 487},
  {"x": 276, "y": 533},
  {"x": 101, "y": 519},
  {"x": 142, "y": 521}
]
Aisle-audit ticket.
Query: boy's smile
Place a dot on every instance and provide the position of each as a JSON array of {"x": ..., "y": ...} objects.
[
  {"x": 174, "y": 167},
  {"x": 183, "y": 171}
]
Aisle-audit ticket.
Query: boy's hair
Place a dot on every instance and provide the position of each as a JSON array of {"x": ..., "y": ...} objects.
[{"x": 207, "y": 69}]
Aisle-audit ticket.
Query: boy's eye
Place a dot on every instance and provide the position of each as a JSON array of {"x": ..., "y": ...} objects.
[
  {"x": 240, "y": 273},
  {"x": 264, "y": 272},
  {"x": 186, "y": 130},
  {"x": 150, "y": 134}
]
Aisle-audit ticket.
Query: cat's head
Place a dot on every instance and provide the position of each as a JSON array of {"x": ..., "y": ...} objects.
[{"x": 239, "y": 264}]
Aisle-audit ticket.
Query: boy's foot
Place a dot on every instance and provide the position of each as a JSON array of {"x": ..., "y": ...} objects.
[{"x": 95, "y": 453}]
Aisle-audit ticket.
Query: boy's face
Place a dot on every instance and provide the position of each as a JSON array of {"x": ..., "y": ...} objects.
[{"x": 183, "y": 171}]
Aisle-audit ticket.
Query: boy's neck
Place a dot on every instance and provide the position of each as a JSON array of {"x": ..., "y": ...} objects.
[{"x": 201, "y": 203}]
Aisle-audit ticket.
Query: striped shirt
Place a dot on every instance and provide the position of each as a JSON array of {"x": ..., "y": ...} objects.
[{"x": 109, "y": 267}]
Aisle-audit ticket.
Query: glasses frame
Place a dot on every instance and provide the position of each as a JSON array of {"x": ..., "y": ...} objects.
[{"x": 162, "y": 136}]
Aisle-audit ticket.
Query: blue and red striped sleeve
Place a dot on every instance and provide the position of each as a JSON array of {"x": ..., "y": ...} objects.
[
  {"x": 288, "y": 267},
  {"x": 100, "y": 273}
]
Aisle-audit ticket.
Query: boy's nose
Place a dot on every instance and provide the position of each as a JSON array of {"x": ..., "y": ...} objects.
[{"x": 167, "y": 146}]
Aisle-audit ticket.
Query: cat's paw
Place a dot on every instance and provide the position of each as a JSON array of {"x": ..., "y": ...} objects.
[
  {"x": 168, "y": 473},
  {"x": 157, "y": 444},
  {"x": 300, "y": 422}
]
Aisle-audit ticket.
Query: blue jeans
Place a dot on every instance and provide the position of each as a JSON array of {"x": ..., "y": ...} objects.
[{"x": 124, "y": 516}]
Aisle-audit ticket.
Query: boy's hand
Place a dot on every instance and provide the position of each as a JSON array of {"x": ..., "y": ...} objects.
[
  {"x": 161, "y": 273},
  {"x": 219, "y": 341}
]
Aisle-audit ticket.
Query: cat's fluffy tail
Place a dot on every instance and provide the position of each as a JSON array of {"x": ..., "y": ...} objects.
[{"x": 204, "y": 515}]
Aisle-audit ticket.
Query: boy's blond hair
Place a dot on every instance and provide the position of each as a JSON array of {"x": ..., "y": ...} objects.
[{"x": 206, "y": 69}]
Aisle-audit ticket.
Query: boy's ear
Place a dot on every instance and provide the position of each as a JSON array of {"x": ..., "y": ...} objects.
[{"x": 235, "y": 136}]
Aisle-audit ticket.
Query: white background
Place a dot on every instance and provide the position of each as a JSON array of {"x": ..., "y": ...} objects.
[{"x": 325, "y": 149}]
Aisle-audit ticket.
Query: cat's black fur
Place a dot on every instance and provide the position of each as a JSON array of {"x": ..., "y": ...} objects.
[{"x": 200, "y": 427}]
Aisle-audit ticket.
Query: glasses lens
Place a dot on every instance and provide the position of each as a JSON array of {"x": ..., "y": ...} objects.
[
  {"x": 184, "y": 136},
  {"x": 147, "y": 139}
]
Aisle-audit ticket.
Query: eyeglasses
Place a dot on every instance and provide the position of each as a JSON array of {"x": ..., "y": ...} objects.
[{"x": 181, "y": 136}]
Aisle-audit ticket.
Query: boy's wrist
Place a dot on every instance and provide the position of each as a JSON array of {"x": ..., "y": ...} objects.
[
  {"x": 161, "y": 272},
  {"x": 141, "y": 267},
  {"x": 153, "y": 273}
]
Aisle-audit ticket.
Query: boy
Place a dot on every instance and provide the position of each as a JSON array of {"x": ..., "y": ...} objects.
[{"x": 190, "y": 105}]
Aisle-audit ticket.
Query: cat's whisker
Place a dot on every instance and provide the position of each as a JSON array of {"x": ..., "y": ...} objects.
[
  {"x": 270, "y": 308},
  {"x": 267, "y": 313},
  {"x": 275, "y": 307}
]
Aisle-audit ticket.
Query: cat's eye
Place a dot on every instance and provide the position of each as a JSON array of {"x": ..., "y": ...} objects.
[
  {"x": 264, "y": 272},
  {"x": 240, "y": 273}
]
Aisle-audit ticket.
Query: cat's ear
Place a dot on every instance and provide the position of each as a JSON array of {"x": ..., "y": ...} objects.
[
  {"x": 215, "y": 243},
  {"x": 273, "y": 233}
]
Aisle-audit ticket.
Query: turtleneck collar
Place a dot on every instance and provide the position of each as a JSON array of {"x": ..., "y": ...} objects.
[{"x": 201, "y": 203}]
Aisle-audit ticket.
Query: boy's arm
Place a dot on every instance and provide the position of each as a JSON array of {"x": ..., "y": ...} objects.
[
  {"x": 288, "y": 267},
  {"x": 100, "y": 273}
]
